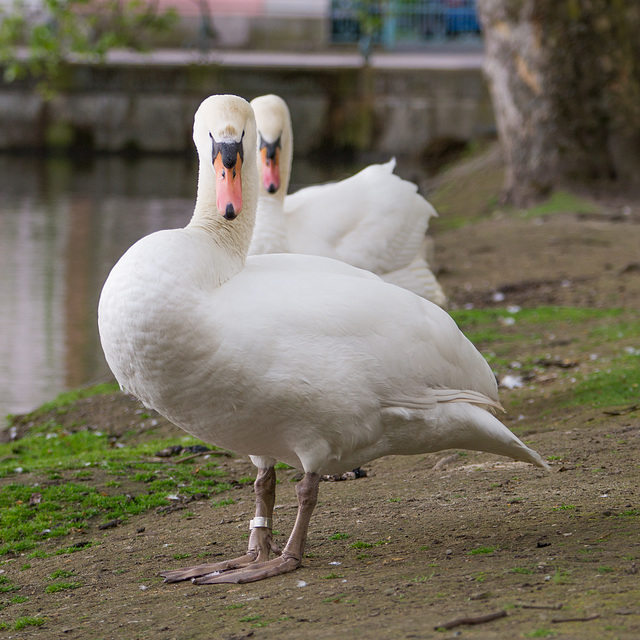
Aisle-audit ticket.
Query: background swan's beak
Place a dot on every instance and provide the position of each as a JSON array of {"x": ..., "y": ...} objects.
[{"x": 270, "y": 169}]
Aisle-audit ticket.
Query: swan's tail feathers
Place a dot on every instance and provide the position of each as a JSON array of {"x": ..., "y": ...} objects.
[
  {"x": 417, "y": 277},
  {"x": 478, "y": 430},
  {"x": 391, "y": 164}
]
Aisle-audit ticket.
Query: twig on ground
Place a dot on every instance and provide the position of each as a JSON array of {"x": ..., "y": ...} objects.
[
  {"x": 542, "y": 606},
  {"x": 196, "y": 455},
  {"x": 472, "y": 620},
  {"x": 583, "y": 619}
]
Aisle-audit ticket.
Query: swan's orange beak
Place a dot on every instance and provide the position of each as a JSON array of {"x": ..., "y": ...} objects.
[
  {"x": 228, "y": 184},
  {"x": 270, "y": 169}
]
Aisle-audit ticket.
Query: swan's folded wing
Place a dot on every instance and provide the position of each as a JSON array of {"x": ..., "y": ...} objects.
[{"x": 374, "y": 220}]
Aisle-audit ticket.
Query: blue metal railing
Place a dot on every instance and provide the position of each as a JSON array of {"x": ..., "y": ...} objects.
[{"x": 393, "y": 23}]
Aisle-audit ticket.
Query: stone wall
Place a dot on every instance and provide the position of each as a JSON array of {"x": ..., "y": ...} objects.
[{"x": 133, "y": 106}]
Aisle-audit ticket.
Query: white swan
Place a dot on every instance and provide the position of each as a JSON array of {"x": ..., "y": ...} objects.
[
  {"x": 285, "y": 357},
  {"x": 374, "y": 220}
]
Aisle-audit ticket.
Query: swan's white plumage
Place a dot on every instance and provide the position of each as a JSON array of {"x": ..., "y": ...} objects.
[
  {"x": 286, "y": 357},
  {"x": 296, "y": 358},
  {"x": 373, "y": 220}
]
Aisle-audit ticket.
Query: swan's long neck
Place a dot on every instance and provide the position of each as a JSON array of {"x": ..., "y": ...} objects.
[
  {"x": 232, "y": 236},
  {"x": 229, "y": 236},
  {"x": 270, "y": 232}
]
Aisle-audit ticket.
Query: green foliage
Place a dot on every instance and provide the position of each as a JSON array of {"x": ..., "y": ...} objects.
[{"x": 40, "y": 40}]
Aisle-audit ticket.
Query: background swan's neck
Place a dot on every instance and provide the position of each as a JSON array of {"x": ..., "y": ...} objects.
[{"x": 270, "y": 231}]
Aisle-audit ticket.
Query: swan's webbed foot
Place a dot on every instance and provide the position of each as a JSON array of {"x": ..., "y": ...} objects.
[
  {"x": 190, "y": 573},
  {"x": 252, "y": 572}
]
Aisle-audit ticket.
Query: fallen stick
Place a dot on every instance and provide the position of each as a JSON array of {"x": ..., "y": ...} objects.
[
  {"x": 196, "y": 455},
  {"x": 541, "y": 606},
  {"x": 585, "y": 619},
  {"x": 472, "y": 620}
]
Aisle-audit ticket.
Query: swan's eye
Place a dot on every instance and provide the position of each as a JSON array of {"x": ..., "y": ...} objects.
[{"x": 224, "y": 173}]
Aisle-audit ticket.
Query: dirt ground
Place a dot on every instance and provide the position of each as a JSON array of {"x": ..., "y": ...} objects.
[{"x": 420, "y": 541}]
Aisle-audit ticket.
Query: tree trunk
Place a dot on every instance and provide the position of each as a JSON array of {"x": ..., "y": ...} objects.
[{"x": 565, "y": 83}]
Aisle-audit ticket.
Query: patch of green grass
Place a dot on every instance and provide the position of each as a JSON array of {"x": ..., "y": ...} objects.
[
  {"x": 605, "y": 569},
  {"x": 63, "y": 401},
  {"x": 617, "y": 385},
  {"x": 62, "y": 586},
  {"x": 359, "y": 544},
  {"x": 6, "y": 585},
  {"x": 482, "y": 551},
  {"x": 332, "y": 576},
  {"x": 72, "y": 549},
  {"x": 225, "y": 503},
  {"x": 339, "y": 536},
  {"x": 544, "y": 315},
  {"x": 487, "y": 326},
  {"x": 563, "y": 507},
  {"x": 614, "y": 332},
  {"x": 523, "y": 570},
  {"x": 40, "y": 510},
  {"x": 28, "y": 621},
  {"x": 541, "y": 632},
  {"x": 561, "y": 577},
  {"x": 561, "y": 202},
  {"x": 60, "y": 573},
  {"x": 19, "y": 599},
  {"x": 423, "y": 578}
]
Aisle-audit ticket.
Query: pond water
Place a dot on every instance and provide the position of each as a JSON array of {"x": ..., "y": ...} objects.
[{"x": 63, "y": 225}]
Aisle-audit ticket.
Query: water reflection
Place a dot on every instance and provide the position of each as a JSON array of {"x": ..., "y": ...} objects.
[{"x": 62, "y": 227}]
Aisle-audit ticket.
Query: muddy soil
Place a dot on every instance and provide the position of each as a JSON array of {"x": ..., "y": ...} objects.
[{"x": 422, "y": 541}]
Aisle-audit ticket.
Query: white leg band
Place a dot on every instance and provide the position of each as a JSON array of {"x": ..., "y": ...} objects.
[{"x": 259, "y": 522}]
